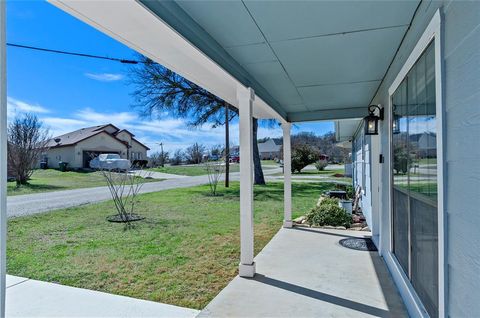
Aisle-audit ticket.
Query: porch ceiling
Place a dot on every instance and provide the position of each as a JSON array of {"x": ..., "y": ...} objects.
[
  {"x": 305, "y": 60},
  {"x": 309, "y": 60}
]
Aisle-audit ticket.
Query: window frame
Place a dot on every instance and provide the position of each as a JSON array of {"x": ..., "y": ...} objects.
[{"x": 433, "y": 32}]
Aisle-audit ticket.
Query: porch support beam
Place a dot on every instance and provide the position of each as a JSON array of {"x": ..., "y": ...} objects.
[
  {"x": 328, "y": 114},
  {"x": 245, "y": 98},
  {"x": 3, "y": 160},
  {"x": 287, "y": 175}
]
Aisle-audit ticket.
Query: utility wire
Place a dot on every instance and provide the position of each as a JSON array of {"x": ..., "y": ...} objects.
[{"x": 124, "y": 61}]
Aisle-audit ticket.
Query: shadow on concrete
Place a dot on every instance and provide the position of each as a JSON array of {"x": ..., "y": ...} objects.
[
  {"x": 374, "y": 311},
  {"x": 389, "y": 290},
  {"x": 318, "y": 231}
]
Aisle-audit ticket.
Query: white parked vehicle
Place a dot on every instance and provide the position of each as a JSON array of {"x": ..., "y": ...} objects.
[{"x": 110, "y": 161}]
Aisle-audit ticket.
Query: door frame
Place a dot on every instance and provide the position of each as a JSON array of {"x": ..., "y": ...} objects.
[{"x": 432, "y": 32}]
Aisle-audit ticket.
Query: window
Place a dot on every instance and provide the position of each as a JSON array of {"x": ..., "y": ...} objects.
[{"x": 414, "y": 179}]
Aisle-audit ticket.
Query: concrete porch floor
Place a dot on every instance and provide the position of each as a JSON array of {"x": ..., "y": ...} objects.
[
  {"x": 33, "y": 298},
  {"x": 305, "y": 272}
]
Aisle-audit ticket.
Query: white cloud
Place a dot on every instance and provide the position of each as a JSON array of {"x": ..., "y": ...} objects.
[
  {"x": 173, "y": 132},
  {"x": 95, "y": 118},
  {"x": 17, "y": 106},
  {"x": 59, "y": 126},
  {"x": 105, "y": 77}
]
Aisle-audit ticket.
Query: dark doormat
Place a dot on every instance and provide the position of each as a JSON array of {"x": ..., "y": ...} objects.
[{"x": 360, "y": 244}]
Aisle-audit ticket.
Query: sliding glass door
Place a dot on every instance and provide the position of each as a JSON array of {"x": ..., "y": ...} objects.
[{"x": 414, "y": 184}]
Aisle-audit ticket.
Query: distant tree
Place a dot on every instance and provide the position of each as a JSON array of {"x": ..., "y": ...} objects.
[
  {"x": 177, "y": 157},
  {"x": 325, "y": 144},
  {"x": 158, "y": 90},
  {"x": 159, "y": 159},
  {"x": 194, "y": 153},
  {"x": 27, "y": 139},
  {"x": 302, "y": 156},
  {"x": 217, "y": 150}
]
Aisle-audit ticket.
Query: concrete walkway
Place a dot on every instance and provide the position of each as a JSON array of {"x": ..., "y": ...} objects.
[
  {"x": 304, "y": 272},
  {"x": 33, "y": 298}
]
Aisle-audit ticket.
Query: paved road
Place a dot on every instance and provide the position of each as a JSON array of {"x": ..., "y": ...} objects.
[{"x": 21, "y": 205}]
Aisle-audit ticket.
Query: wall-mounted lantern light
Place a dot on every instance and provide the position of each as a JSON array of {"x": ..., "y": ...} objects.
[
  {"x": 395, "y": 122},
  {"x": 371, "y": 121}
]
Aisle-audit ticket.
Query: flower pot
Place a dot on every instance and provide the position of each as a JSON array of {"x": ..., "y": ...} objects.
[{"x": 346, "y": 204}]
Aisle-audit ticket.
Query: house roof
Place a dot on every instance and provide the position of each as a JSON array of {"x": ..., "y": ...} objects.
[
  {"x": 74, "y": 137},
  {"x": 269, "y": 145}
]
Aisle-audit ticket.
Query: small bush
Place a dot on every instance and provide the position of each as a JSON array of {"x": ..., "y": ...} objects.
[
  {"x": 321, "y": 164},
  {"x": 327, "y": 201},
  {"x": 328, "y": 213}
]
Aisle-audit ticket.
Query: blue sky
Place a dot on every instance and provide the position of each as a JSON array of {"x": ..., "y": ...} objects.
[{"x": 69, "y": 92}]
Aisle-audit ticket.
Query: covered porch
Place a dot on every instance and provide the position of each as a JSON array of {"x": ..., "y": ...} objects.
[
  {"x": 305, "y": 272},
  {"x": 327, "y": 66}
]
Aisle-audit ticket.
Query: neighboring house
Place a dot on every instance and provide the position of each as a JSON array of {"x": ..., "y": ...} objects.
[
  {"x": 78, "y": 147},
  {"x": 424, "y": 144},
  {"x": 270, "y": 149}
]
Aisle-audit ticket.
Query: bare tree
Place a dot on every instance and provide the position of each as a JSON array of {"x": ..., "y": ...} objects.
[
  {"x": 124, "y": 188},
  {"x": 159, "y": 91},
  {"x": 159, "y": 158},
  {"x": 27, "y": 139},
  {"x": 215, "y": 171},
  {"x": 177, "y": 157},
  {"x": 194, "y": 153}
]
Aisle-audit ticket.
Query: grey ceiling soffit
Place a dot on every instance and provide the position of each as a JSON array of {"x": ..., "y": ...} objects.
[
  {"x": 328, "y": 114},
  {"x": 172, "y": 14}
]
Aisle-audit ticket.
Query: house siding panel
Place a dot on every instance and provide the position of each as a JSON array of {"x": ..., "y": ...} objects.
[{"x": 461, "y": 145}]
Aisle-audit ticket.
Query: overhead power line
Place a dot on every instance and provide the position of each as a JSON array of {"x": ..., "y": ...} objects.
[{"x": 124, "y": 61}]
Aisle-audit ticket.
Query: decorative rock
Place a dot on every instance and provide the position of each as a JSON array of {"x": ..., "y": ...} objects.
[
  {"x": 366, "y": 228},
  {"x": 304, "y": 221},
  {"x": 357, "y": 225},
  {"x": 329, "y": 227},
  {"x": 300, "y": 219},
  {"x": 340, "y": 228},
  {"x": 356, "y": 218}
]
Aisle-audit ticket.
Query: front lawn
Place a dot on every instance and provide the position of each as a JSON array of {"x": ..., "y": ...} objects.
[
  {"x": 183, "y": 253},
  {"x": 55, "y": 180},
  {"x": 194, "y": 170}
]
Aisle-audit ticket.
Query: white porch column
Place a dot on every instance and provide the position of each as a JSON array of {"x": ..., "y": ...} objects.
[
  {"x": 3, "y": 160},
  {"x": 287, "y": 175},
  {"x": 245, "y": 97}
]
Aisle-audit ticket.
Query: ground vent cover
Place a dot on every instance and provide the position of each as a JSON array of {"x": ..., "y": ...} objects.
[{"x": 359, "y": 244}]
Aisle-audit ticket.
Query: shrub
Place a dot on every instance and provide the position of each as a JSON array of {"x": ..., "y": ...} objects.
[
  {"x": 321, "y": 164},
  {"x": 138, "y": 163},
  {"x": 328, "y": 213},
  {"x": 327, "y": 201},
  {"x": 302, "y": 156}
]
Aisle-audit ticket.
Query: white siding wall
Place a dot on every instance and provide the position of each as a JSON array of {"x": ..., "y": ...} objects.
[
  {"x": 66, "y": 154},
  {"x": 138, "y": 149},
  {"x": 462, "y": 146}
]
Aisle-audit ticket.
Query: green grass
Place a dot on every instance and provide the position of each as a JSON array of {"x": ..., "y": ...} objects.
[
  {"x": 54, "y": 180},
  {"x": 270, "y": 162},
  {"x": 183, "y": 253},
  {"x": 314, "y": 173},
  {"x": 197, "y": 170},
  {"x": 192, "y": 170},
  {"x": 425, "y": 161}
]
